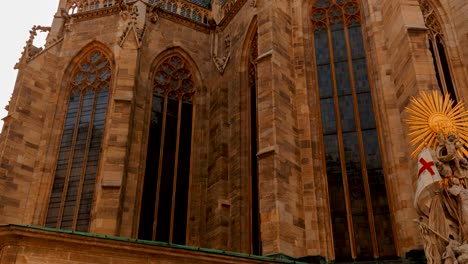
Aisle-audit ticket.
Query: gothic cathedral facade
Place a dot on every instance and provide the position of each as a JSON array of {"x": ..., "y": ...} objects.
[{"x": 186, "y": 130}]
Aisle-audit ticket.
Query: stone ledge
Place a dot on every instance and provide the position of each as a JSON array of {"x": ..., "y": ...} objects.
[{"x": 40, "y": 244}]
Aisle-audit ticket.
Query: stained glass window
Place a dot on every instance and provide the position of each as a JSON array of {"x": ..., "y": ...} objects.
[
  {"x": 163, "y": 214},
  {"x": 358, "y": 202},
  {"x": 437, "y": 48},
  {"x": 75, "y": 174}
]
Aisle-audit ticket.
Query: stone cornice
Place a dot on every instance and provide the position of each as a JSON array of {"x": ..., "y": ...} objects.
[
  {"x": 63, "y": 240},
  {"x": 96, "y": 13},
  {"x": 231, "y": 13},
  {"x": 184, "y": 21}
]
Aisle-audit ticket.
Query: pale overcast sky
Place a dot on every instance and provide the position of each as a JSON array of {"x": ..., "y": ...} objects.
[{"x": 17, "y": 17}]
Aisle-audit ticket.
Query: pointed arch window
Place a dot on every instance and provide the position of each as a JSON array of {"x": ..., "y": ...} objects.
[
  {"x": 164, "y": 207},
  {"x": 255, "y": 211},
  {"x": 359, "y": 209},
  {"x": 77, "y": 165},
  {"x": 438, "y": 50}
]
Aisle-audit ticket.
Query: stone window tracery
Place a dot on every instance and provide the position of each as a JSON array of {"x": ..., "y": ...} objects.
[
  {"x": 78, "y": 159},
  {"x": 163, "y": 214},
  {"x": 437, "y": 47},
  {"x": 359, "y": 209}
]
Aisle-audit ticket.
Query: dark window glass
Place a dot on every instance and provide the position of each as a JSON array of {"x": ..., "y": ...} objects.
[
  {"x": 77, "y": 165},
  {"x": 151, "y": 176},
  {"x": 437, "y": 48},
  {"x": 255, "y": 213},
  {"x": 356, "y": 188},
  {"x": 164, "y": 206}
]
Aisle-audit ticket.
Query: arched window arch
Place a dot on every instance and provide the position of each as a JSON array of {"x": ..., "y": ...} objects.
[
  {"x": 438, "y": 50},
  {"x": 77, "y": 165},
  {"x": 164, "y": 209},
  {"x": 359, "y": 209}
]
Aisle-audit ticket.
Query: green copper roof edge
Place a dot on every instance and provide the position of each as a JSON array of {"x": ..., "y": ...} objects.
[{"x": 163, "y": 244}]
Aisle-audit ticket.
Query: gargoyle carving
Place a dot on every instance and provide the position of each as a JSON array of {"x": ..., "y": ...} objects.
[{"x": 154, "y": 17}]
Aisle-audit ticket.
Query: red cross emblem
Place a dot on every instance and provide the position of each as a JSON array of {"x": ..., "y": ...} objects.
[{"x": 426, "y": 166}]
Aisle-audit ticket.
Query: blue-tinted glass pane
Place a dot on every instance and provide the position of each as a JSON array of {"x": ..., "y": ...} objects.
[
  {"x": 176, "y": 62},
  {"x": 343, "y": 82},
  {"x": 85, "y": 67},
  {"x": 321, "y": 47},
  {"x": 105, "y": 74},
  {"x": 79, "y": 78},
  {"x": 95, "y": 57},
  {"x": 322, "y": 3},
  {"x": 356, "y": 41},
  {"x": 92, "y": 161},
  {"x": 77, "y": 161},
  {"x": 62, "y": 162},
  {"x": 360, "y": 75},
  {"x": 366, "y": 111},
  {"x": 324, "y": 81},
  {"x": 102, "y": 64},
  {"x": 357, "y": 196},
  {"x": 348, "y": 122},
  {"x": 72, "y": 112},
  {"x": 327, "y": 109},
  {"x": 339, "y": 44},
  {"x": 378, "y": 194}
]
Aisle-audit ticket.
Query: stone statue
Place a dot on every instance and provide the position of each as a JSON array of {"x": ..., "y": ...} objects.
[
  {"x": 437, "y": 126},
  {"x": 447, "y": 151},
  {"x": 449, "y": 255},
  {"x": 442, "y": 201},
  {"x": 461, "y": 194},
  {"x": 462, "y": 252}
]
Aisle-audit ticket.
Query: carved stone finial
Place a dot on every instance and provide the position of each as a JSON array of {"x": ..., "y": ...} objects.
[{"x": 132, "y": 26}]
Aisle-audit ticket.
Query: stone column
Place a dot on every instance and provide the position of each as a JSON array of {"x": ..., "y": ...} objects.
[
  {"x": 405, "y": 69},
  {"x": 108, "y": 209},
  {"x": 280, "y": 189}
]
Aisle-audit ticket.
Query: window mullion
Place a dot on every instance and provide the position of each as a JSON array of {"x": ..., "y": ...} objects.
[
  {"x": 161, "y": 151},
  {"x": 362, "y": 157},
  {"x": 187, "y": 223},
  {"x": 176, "y": 163},
  {"x": 85, "y": 162},
  {"x": 69, "y": 166},
  {"x": 341, "y": 146}
]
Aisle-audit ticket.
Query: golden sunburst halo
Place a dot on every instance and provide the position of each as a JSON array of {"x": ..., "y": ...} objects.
[{"x": 432, "y": 114}]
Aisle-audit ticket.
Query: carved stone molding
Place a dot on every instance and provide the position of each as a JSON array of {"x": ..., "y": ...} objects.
[
  {"x": 220, "y": 61},
  {"x": 132, "y": 26}
]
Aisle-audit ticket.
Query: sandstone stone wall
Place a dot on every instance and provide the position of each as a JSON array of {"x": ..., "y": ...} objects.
[{"x": 293, "y": 194}]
